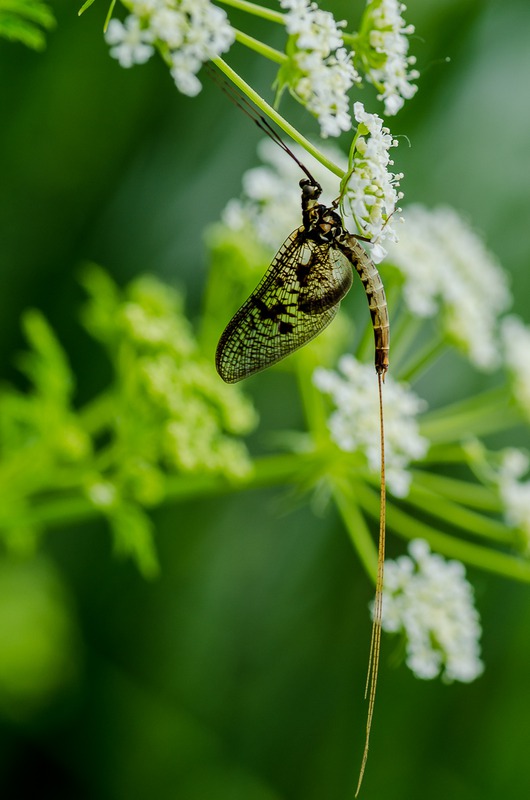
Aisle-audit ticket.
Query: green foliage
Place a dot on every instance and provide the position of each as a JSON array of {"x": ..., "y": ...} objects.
[
  {"x": 165, "y": 413},
  {"x": 85, "y": 7},
  {"x": 24, "y": 20}
]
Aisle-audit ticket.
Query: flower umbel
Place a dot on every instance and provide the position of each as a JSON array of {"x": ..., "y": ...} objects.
[
  {"x": 354, "y": 425},
  {"x": 430, "y": 602},
  {"x": 383, "y": 48},
  {"x": 187, "y": 32},
  {"x": 370, "y": 194},
  {"x": 164, "y": 416},
  {"x": 447, "y": 266},
  {"x": 320, "y": 71},
  {"x": 131, "y": 43}
]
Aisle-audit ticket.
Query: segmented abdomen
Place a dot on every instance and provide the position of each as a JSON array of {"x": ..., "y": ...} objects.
[{"x": 375, "y": 292}]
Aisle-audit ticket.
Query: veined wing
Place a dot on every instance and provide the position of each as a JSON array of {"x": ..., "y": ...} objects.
[{"x": 297, "y": 298}]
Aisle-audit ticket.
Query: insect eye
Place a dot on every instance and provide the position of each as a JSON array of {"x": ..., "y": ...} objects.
[{"x": 310, "y": 189}]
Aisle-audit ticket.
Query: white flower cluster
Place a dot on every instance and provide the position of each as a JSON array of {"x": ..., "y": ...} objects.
[
  {"x": 430, "y": 601},
  {"x": 372, "y": 195},
  {"x": 388, "y": 37},
  {"x": 515, "y": 493},
  {"x": 324, "y": 68},
  {"x": 516, "y": 346},
  {"x": 446, "y": 264},
  {"x": 172, "y": 411},
  {"x": 354, "y": 425},
  {"x": 188, "y": 33},
  {"x": 270, "y": 205}
]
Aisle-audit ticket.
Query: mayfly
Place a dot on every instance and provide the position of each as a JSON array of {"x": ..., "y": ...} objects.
[{"x": 297, "y": 298}]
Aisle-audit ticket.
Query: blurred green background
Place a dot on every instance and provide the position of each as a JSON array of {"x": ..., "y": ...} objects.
[{"x": 238, "y": 674}]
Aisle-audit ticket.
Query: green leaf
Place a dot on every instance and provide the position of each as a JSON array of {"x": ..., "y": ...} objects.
[
  {"x": 109, "y": 15},
  {"x": 84, "y": 7},
  {"x": 22, "y": 20},
  {"x": 133, "y": 536},
  {"x": 46, "y": 365}
]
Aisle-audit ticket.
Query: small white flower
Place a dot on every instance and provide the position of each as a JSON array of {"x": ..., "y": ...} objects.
[
  {"x": 102, "y": 494},
  {"x": 388, "y": 38},
  {"x": 193, "y": 31},
  {"x": 354, "y": 425},
  {"x": 430, "y": 601},
  {"x": 183, "y": 72},
  {"x": 131, "y": 43},
  {"x": 327, "y": 71},
  {"x": 169, "y": 26},
  {"x": 372, "y": 195},
  {"x": 447, "y": 266}
]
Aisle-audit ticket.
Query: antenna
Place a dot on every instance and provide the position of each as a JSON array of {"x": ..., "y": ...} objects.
[{"x": 250, "y": 110}]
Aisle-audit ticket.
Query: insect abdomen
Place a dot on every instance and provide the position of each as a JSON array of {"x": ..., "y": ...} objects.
[{"x": 375, "y": 293}]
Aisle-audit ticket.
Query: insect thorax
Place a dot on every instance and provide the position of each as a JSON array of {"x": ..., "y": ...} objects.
[{"x": 322, "y": 224}]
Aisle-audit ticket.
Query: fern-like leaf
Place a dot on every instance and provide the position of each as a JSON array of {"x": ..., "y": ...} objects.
[{"x": 26, "y": 21}]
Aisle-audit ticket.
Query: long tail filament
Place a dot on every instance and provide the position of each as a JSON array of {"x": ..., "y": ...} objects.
[{"x": 375, "y": 642}]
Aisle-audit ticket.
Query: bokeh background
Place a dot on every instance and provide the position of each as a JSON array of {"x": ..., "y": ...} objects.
[{"x": 238, "y": 673}]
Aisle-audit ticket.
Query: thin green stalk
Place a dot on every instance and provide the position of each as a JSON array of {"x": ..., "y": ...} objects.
[
  {"x": 365, "y": 344},
  {"x": 446, "y": 453},
  {"x": 312, "y": 400},
  {"x": 469, "y": 494},
  {"x": 66, "y": 508},
  {"x": 275, "y": 117},
  {"x": 408, "y": 528},
  {"x": 494, "y": 399},
  {"x": 266, "y": 471},
  {"x": 454, "y": 514},
  {"x": 109, "y": 15},
  {"x": 260, "y": 47},
  {"x": 424, "y": 357},
  {"x": 355, "y": 523},
  {"x": 404, "y": 332},
  {"x": 255, "y": 10},
  {"x": 489, "y": 412}
]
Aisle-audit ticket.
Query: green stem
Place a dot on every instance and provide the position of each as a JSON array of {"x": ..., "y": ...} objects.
[
  {"x": 458, "y": 516},
  {"x": 109, "y": 15},
  {"x": 67, "y": 508},
  {"x": 343, "y": 492},
  {"x": 408, "y": 528},
  {"x": 266, "y": 471},
  {"x": 312, "y": 399},
  {"x": 275, "y": 117},
  {"x": 459, "y": 491},
  {"x": 405, "y": 332},
  {"x": 350, "y": 39},
  {"x": 260, "y": 47},
  {"x": 426, "y": 356},
  {"x": 365, "y": 344},
  {"x": 450, "y": 453},
  {"x": 255, "y": 10},
  {"x": 490, "y": 412}
]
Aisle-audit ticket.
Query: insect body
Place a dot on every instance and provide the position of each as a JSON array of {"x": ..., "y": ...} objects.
[
  {"x": 296, "y": 299},
  {"x": 300, "y": 294}
]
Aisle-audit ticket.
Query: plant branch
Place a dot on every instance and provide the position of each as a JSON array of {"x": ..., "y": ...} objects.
[{"x": 270, "y": 112}]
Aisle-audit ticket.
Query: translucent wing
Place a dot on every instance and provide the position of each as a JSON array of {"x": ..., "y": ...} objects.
[{"x": 297, "y": 298}]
